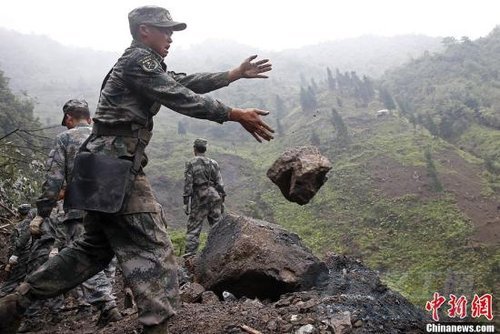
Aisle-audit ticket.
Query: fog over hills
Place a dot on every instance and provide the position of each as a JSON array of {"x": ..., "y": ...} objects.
[{"x": 52, "y": 73}]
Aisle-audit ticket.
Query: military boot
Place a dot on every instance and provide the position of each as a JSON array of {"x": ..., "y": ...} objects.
[
  {"x": 108, "y": 316},
  {"x": 158, "y": 329},
  {"x": 10, "y": 314}
]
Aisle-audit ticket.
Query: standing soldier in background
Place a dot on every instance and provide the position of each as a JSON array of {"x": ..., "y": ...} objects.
[
  {"x": 97, "y": 289},
  {"x": 19, "y": 250},
  {"x": 203, "y": 194},
  {"x": 123, "y": 216}
]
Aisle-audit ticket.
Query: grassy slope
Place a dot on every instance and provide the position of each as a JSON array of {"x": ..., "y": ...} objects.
[{"x": 420, "y": 242}]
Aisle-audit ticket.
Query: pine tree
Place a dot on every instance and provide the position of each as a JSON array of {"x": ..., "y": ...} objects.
[
  {"x": 332, "y": 84},
  {"x": 342, "y": 133}
]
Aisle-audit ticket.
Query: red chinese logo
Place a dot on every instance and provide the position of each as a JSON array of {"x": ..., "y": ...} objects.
[
  {"x": 480, "y": 306},
  {"x": 458, "y": 307},
  {"x": 434, "y": 305}
]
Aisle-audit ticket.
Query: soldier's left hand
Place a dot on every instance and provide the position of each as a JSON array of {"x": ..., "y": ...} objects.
[
  {"x": 250, "y": 70},
  {"x": 35, "y": 227}
]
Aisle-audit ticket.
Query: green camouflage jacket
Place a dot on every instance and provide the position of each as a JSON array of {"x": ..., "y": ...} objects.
[
  {"x": 202, "y": 171},
  {"x": 60, "y": 167}
]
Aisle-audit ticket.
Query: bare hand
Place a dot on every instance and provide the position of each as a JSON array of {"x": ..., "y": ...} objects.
[
  {"x": 250, "y": 70},
  {"x": 35, "y": 227},
  {"x": 252, "y": 122}
]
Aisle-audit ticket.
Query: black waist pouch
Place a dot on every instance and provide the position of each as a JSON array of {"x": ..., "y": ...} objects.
[{"x": 100, "y": 183}]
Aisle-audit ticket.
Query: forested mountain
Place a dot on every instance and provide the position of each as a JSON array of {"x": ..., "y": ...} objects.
[
  {"x": 22, "y": 148},
  {"x": 455, "y": 94},
  {"x": 406, "y": 199},
  {"x": 52, "y": 73}
]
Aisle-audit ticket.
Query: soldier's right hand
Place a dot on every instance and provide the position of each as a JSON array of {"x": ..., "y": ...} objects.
[
  {"x": 252, "y": 122},
  {"x": 36, "y": 227}
]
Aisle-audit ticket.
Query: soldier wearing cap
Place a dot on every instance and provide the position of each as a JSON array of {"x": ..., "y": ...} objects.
[
  {"x": 131, "y": 96},
  {"x": 59, "y": 166},
  {"x": 203, "y": 194}
]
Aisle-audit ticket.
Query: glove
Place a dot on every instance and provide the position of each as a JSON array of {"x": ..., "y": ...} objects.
[
  {"x": 8, "y": 267},
  {"x": 13, "y": 260},
  {"x": 186, "y": 209},
  {"x": 35, "y": 227},
  {"x": 53, "y": 252}
]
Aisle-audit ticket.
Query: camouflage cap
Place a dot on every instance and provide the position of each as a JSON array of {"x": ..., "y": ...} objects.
[
  {"x": 76, "y": 107},
  {"x": 155, "y": 16},
  {"x": 23, "y": 209},
  {"x": 200, "y": 142}
]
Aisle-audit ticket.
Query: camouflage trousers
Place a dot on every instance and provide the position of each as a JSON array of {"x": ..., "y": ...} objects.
[
  {"x": 97, "y": 290},
  {"x": 144, "y": 252},
  {"x": 40, "y": 255},
  {"x": 206, "y": 204}
]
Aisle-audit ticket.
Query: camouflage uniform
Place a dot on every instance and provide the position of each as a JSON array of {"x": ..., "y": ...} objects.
[
  {"x": 39, "y": 254},
  {"x": 131, "y": 95},
  {"x": 203, "y": 185},
  {"x": 19, "y": 245},
  {"x": 97, "y": 289}
]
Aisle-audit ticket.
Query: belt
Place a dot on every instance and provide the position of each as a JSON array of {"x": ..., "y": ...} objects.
[{"x": 122, "y": 130}]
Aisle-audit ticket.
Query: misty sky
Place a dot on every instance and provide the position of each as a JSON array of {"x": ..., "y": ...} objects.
[{"x": 264, "y": 24}]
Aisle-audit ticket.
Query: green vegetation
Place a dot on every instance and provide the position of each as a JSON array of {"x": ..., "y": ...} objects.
[
  {"x": 21, "y": 148},
  {"x": 388, "y": 200}
]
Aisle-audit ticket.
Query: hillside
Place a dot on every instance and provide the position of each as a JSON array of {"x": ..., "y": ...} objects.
[
  {"x": 455, "y": 94},
  {"x": 420, "y": 210}
]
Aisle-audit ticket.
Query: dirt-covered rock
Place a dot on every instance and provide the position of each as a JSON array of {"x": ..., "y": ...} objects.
[
  {"x": 254, "y": 258},
  {"x": 299, "y": 173}
]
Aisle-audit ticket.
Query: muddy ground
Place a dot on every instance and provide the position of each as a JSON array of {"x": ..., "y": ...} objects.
[{"x": 352, "y": 300}]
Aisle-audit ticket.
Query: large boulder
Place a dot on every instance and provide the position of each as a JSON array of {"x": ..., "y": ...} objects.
[
  {"x": 254, "y": 258},
  {"x": 299, "y": 173}
]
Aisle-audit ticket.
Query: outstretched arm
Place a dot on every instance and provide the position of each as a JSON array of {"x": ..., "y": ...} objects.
[{"x": 250, "y": 70}]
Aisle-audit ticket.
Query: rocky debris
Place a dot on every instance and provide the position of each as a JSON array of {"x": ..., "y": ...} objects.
[
  {"x": 209, "y": 297},
  {"x": 349, "y": 299},
  {"x": 254, "y": 258},
  {"x": 299, "y": 173},
  {"x": 191, "y": 292}
]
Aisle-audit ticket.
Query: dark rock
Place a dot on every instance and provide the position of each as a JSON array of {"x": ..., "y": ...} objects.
[
  {"x": 254, "y": 258},
  {"x": 209, "y": 297},
  {"x": 191, "y": 292},
  {"x": 299, "y": 173}
]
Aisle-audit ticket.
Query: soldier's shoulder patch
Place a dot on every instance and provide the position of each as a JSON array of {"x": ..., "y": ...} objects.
[{"x": 149, "y": 64}]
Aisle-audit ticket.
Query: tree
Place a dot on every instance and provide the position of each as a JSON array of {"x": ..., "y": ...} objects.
[
  {"x": 332, "y": 84},
  {"x": 431, "y": 125},
  {"x": 342, "y": 133},
  {"x": 387, "y": 99},
  {"x": 308, "y": 100},
  {"x": 432, "y": 172},
  {"x": 22, "y": 148},
  {"x": 280, "y": 106}
]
